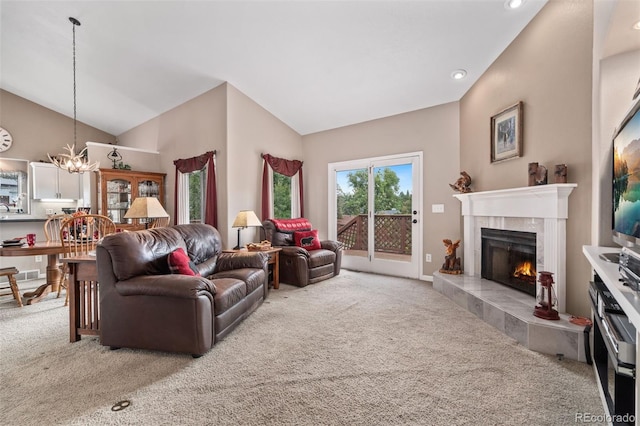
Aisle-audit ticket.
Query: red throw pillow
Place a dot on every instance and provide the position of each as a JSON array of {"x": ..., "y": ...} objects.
[
  {"x": 307, "y": 239},
  {"x": 179, "y": 263}
]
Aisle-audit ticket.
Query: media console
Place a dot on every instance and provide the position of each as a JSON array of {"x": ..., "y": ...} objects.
[{"x": 616, "y": 315}]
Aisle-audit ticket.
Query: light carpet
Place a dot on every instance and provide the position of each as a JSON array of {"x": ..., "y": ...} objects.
[{"x": 359, "y": 349}]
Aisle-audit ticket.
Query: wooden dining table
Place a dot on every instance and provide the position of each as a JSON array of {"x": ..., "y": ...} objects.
[{"x": 52, "y": 250}]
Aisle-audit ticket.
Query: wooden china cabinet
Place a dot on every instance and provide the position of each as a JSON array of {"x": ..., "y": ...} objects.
[{"x": 118, "y": 188}]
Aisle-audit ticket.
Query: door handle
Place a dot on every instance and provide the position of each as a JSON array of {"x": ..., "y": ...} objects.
[{"x": 415, "y": 221}]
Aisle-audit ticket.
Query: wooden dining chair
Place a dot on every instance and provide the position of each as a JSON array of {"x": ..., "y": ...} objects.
[
  {"x": 79, "y": 236},
  {"x": 12, "y": 284},
  {"x": 52, "y": 226}
]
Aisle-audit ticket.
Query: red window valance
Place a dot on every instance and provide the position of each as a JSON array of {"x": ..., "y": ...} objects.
[
  {"x": 189, "y": 165},
  {"x": 284, "y": 167}
]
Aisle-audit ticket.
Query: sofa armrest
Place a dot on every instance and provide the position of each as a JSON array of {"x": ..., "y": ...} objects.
[
  {"x": 173, "y": 285},
  {"x": 331, "y": 245},
  {"x": 239, "y": 260}
]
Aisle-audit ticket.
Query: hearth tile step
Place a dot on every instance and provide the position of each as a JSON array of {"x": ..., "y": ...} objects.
[{"x": 511, "y": 312}]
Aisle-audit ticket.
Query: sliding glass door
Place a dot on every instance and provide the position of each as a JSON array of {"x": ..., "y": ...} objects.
[{"x": 375, "y": 212}]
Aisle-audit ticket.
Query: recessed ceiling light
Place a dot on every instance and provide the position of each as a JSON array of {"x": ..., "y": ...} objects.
[
  {"x": 513, "y": 4},
  {"x": 458, "y": 74},
  {"x": 636, "y": 26}
]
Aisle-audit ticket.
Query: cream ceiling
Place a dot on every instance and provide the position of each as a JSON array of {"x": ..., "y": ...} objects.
[{"x": 315, "y": 65}]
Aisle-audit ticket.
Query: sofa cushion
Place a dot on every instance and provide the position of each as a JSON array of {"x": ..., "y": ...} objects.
[
  {"x": 141, "y": 252},
  {"x": 253, "y": 278},
  {"x": 229, "y": 292},
  {"x": 179, "y": 263},
  {"x": 307, "y": 239},
  {"x": 203, "y": 243}
]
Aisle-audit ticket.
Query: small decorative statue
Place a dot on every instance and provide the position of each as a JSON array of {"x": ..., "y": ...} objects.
[
  {"x": 463, "y": 184},
  {"x": 561, "y": 173},
  {"x": 451, "y": 263},
  {"x": 537, "y": 174}
]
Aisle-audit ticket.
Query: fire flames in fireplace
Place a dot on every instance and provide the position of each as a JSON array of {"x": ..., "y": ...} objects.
[
  {"x": 525, "y": 271},
  {"x": 509, "y": 258}
]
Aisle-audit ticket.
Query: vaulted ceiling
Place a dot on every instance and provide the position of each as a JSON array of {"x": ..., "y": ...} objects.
[{"x": 315, "y": 65}]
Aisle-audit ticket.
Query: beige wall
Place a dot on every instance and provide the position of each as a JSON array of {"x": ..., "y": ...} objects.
[
  {"x": 252, "y": 131},
  {"x": 190, "y": 129},
  {"x": 37, "y": 130},
  {"x": 548, "y": 68},
  {"x": 225, "y": 120},
  {"x": 433, "y": 131}
]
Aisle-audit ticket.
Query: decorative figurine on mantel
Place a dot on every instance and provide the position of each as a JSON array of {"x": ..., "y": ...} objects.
[
  {"x": 463, "y": 184},
  {"x": 561, "y": 173},
  {"x": 451, "y": 263},
  {"x": 537, "y": 174}
]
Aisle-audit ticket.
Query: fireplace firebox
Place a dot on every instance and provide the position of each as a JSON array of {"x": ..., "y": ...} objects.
[{"x": 509, "y": 257}]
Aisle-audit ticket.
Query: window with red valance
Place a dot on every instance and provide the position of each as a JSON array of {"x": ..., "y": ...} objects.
[
  {"x": 185, "y": 167},
  {"x": 289, "y": 168}
]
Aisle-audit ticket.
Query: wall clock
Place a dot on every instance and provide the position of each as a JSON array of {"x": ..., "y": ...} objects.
[{"x": 5, "y": 139}]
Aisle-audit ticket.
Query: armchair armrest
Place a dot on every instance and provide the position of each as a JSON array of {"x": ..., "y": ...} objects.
[
  {"x": 173, "y": 285},
  {"x": 294, "y": 251},
  {"x": 331, "y": 245},
  {"x": 239, "y": 260}
]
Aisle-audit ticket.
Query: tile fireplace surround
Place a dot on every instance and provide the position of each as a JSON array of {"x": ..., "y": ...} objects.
[{"x": 541, "y": 209}]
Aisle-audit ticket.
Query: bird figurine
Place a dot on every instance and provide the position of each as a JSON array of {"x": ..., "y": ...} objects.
[{"x": 463, "y": 184}]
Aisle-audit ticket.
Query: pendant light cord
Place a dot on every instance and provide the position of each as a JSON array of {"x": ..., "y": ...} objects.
[
  {"x": 75, "y": 138},
  {"x": 74, "y": 162}
]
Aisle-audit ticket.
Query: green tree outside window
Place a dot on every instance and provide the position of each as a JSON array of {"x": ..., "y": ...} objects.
[{"x": 281, "y": 196}]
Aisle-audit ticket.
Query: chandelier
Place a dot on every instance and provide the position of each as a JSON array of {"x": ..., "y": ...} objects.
[{"x": 74, "y": 162}]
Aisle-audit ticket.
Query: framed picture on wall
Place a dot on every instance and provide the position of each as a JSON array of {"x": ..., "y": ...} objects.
[{"x": 506, "y": 134}]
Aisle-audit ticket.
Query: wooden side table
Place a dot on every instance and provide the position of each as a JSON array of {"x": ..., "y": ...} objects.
[
  {"x": 274, "y": 262},
  {"x": 84, "y": 297}
]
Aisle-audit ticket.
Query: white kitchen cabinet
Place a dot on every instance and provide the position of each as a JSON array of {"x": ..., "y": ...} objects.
[{"x": 50, "y": 182}]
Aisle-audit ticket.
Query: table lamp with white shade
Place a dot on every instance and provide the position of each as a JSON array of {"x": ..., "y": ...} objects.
[
  {"x": 146, "y": 208},
  {"x": 244, "y": 219}
]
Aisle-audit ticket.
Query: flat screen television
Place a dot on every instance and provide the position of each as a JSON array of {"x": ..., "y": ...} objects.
[{"x": 626, "y": 180}]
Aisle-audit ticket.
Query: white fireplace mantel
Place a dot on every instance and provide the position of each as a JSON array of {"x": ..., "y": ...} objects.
[{"x": 546, "y": 203}]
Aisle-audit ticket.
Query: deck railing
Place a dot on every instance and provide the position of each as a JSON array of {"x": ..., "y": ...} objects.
[{"x": 392, "y": 233}]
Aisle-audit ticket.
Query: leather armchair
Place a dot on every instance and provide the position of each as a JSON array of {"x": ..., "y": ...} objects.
[{"x": 299, "y": 266}]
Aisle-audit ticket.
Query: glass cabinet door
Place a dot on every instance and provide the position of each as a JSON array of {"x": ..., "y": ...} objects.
[
  {"x": 118, "y": 199},
  {"x": 149, "y": 188}
]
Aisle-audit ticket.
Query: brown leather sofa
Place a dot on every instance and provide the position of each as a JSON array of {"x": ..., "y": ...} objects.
[
  {"x": 299, "y": 266},
  {"x": 143, "y": 305}
]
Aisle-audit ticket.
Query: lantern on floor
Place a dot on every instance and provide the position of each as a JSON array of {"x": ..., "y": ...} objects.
[{"x": 546, "y": 298}]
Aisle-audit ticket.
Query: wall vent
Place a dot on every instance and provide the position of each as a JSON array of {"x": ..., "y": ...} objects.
[{"x": 33, "y": 274}]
